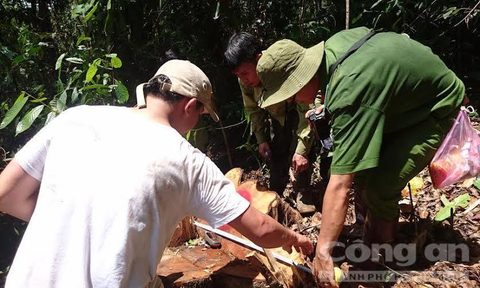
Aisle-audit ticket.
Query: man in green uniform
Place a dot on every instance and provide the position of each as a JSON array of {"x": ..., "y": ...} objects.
[
  {"x": 291, "y": 141},
  {"x": 391, "y": 103}
]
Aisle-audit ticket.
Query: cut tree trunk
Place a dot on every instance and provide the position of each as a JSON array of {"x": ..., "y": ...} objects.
[
  {"x": 189, "y": 268},
  {"x": 184, "y": 232}
]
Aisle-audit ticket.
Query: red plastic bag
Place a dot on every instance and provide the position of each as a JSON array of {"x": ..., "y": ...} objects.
[{"x": 458, "y": 157}]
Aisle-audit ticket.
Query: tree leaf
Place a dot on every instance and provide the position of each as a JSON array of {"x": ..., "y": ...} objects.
[
  {"x": 116, "y": 62},
  {"x": 445, "y": 201},
  {"x": 14, "y": 110},
  {"x": 90, "y": 13},
  {"x": 28, "y": 119},
  {"x": 376, "y": 4},
  {"x": 476, "y": 183},
  {"x": 38, "y": 100},
  {"x": 444, "y": 213},
  {"x": 61, "y": 103},
  {"x": 92, "y": 70},
  {"x": 75, "y": 60},
  {"x": 83, "y": 38},
  {"x": 58, "y": 64},
  {"x": 74, "y": 96},
  {"x": 121, "y": 92},
  {"x": 50, "y": 117},
  {"x": 461, "y": 201}
]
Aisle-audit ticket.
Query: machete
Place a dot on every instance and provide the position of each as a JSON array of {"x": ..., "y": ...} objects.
[{"x": 250, "y": 245}]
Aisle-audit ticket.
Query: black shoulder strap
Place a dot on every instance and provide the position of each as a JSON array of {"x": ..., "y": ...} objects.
[{"x": 350, "y": 51}]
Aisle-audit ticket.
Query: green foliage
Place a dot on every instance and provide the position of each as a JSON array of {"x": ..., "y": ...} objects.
[
  {"x": 446, "y": 211},
  {"x": 476, "y": 183},
  {"x": 85, "y": 70},
  {"x": 14, "y": 110}
]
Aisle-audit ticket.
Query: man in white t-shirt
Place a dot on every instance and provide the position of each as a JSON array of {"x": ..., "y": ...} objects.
[{"x": 103, "y": 188}]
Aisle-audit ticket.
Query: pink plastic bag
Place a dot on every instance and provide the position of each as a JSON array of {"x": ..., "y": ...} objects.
[{"x": 458, "y": 157}]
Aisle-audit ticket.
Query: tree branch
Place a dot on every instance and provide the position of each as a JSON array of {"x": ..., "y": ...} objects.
[{"x": 465, "y": 18}]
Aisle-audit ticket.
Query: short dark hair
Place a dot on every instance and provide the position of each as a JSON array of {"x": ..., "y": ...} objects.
[
  {"x": 159, "y": 86},
  {"x": 242, "y": 47}
]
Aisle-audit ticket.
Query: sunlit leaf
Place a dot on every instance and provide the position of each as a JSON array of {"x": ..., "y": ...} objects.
[
  {"x": 121, "y": 92},
  {"x": 75, "y": 60},
  {"x": 83, "y": 38},
  {"x": 444, "y": 213},
  {"x": 58, "y": 64},
  {"x": 38, "y": 100},
  {"x": 28, "y": 119},
  {"x": 375, "y": 4},
  {"x": 14, "y": 110},
  {"x": 217, "y": 11},
  {"x": 444, "y": 200},
  {"x": 476, "y": 183},
  {"x": 50, "y": 117},
  {"x": 74, "y": 96},
  {"x": 90, "y": 13},
  {"x": 461, "y": 201},
  {"x": 92, "y": 70},
  {"x": 61, "y": 103},
  {"x": 416, "y": 186},
  {"x": 116, "y": 62}
]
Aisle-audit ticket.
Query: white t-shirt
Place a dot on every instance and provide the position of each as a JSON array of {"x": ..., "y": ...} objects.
[{"x": 114, "y": 186}]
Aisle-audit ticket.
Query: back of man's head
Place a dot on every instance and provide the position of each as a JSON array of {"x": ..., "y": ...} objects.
[
  {"x": 242, "y": 47},
  {"x": 179, "y": 78}
]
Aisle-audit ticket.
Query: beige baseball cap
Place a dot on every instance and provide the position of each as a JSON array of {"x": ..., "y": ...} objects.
[{"x": 187, "y": 80}]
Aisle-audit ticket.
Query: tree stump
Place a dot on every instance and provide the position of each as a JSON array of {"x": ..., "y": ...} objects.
[{"x": 186, "y": 268}]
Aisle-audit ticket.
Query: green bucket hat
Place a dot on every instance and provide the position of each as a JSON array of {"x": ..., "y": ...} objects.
[{"x": 285, "y": 67}]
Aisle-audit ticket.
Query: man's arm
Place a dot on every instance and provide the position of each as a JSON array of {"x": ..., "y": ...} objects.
[
  {"x": 18, "y": 191},
  {"x": 264, "y": 231},
  {"x": 334, "y": 210}
]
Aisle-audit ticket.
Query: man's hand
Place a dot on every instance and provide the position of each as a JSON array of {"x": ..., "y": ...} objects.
[
  {"x": 266, "y": 232},
  {"x": 317, "y": 110},
  {"x": 301, "y": 244},
  {"x": 264, "y": 151},
  {"x": 299, "y": 163},
  {"x": 323, "y": 268}
]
